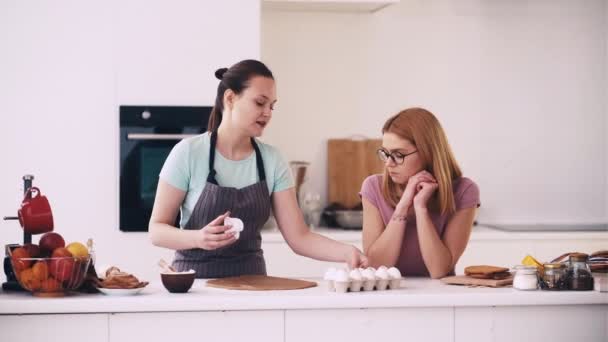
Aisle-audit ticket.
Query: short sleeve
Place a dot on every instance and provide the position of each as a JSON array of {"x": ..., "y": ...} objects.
[
  {"x": 468, "y": 195},
  {"x": 176, "y": 170},
  {"x": 282, "y": 176},
  {"x": 370, "y": 190}
]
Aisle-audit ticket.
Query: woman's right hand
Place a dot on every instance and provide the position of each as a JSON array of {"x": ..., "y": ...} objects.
[
  {"x": 214, "y": 235},
  {"x": 411, "y": 188}
]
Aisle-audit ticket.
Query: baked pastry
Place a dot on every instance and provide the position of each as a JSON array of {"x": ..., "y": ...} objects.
[{"x": 487, "y": 272}]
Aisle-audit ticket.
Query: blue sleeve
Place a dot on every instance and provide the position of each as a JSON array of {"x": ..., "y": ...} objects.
[{"x": 176, "y": 170}]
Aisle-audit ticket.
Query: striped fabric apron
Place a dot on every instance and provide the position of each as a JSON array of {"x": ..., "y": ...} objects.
[{"x": 251, "y": 204}]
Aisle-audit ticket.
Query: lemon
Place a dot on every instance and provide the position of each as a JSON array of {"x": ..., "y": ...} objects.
[{"x": 78, "y": 249}]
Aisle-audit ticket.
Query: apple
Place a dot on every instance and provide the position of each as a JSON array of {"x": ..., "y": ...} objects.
[
  {"x": 78, "y": 250},
  {"x": 62, "y": 264},
  {"x": 19, "y": 264},
  {"x": 51, "y": 241}
]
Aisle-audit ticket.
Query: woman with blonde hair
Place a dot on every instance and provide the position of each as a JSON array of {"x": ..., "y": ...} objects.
[{"x": 418, "y": 215}]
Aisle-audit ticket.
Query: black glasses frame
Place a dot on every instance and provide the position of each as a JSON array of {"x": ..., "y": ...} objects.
[{"x": 397, "y": 157}]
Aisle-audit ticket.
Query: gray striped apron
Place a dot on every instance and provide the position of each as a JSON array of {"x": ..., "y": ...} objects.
[{"x": 251, "y": 204}]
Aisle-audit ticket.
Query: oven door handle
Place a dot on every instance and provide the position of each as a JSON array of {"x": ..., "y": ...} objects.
[{"x": 153, "y": 136}]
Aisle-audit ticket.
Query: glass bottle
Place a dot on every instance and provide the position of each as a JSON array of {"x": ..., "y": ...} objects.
[
  {"x": 579, "y": 276},
  {"x": 554, "y": 277}
]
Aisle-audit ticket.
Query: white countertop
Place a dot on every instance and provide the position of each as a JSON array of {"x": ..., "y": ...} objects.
[
  {"x": 479, "y": 233},
  {"x": 415, "y": 292}
]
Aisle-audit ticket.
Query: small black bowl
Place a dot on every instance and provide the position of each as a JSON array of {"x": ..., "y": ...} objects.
[{"x": 179, "y": 282}]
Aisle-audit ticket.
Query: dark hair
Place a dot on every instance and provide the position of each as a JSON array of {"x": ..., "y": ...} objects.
[{"x": 236, "y": 78}]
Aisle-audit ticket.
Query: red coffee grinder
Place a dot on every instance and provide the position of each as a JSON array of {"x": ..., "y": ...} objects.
[{"x": 11, "y": 281}]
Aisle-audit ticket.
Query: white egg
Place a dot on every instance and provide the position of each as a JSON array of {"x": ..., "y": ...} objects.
[
  {"x": 381, "y": 273},
  {"x": 341, "y": 276},
  {"x": 237, "y": 224},
  {"x": 368, "y": 274},
  {"x": 394, "y": 273},
  {"x": 355, "y": 274}
]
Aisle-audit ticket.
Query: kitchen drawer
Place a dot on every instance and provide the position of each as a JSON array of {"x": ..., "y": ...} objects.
[
  {"x": 59, "y": 327},
  {"x": 367, "y": 325},
  {"x": 194, "y": 326}
]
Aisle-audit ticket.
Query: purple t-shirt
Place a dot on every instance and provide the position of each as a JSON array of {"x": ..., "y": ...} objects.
[{"x": 410, "y": 263}]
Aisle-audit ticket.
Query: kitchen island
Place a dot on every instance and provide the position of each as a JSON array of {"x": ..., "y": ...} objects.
[{"x": 423, "y": 309}]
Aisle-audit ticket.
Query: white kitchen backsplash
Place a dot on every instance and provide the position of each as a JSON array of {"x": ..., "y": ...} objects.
[
  {"x": 522, "y": 99},
  {"x": 521, "y": 89},
  {"x": 65, "y": 71}
]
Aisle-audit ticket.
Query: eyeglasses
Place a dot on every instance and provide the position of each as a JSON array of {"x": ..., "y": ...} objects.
[{"x": 397, "y": 157}]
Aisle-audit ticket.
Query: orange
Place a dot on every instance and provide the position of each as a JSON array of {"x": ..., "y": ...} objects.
[
  {"x": 17, "y": 255},
  {"x": 40, "y": 270},
  {"x": 50, "y": 285},
  {"x": 28, "y": 280}
]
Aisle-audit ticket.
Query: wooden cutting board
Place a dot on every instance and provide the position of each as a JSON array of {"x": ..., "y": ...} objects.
[
  {"x": 349, "y": 162},
  {"x": 466, "y": 280},
  {"x": 260, "y": 283}
]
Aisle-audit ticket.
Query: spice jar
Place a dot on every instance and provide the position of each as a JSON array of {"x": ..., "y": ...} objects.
[
  {"x": 554, "y": 277},
  {"x": 579, "y": 276},
  {"x": 526, "y": 278}
]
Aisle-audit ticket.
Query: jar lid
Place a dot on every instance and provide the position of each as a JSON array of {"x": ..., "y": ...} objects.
[
  {"x": 554, "y": 266},
  {"x": 525, "y": 267},
  {"x": 578, "y": 257}
]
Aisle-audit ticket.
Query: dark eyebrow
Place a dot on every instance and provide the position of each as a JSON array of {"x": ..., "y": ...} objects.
[
  {"x": 266, "y": 97},
  {"x": 399, "y": 150}
]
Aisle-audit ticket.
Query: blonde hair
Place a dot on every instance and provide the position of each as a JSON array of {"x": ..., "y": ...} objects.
[{"x": 422, "y": 129}]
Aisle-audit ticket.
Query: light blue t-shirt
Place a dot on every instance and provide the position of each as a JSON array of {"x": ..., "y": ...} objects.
[{"x": 187, "y": 168}]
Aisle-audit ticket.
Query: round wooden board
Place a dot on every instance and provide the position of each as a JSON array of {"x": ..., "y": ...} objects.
[{"x": 260, "y": 283}]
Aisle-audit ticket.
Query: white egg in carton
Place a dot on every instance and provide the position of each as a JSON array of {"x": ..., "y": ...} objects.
[{"x": 360, "y": 279}]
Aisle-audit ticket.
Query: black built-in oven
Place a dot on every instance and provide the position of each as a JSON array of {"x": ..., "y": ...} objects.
[{"x": 147, "y": 135}]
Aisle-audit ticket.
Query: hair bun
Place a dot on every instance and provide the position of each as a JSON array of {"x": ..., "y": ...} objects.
[{"x": 219, "y": 73}]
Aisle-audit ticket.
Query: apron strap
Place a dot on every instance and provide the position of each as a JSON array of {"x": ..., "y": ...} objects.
[{"x": 258, "y": 159}]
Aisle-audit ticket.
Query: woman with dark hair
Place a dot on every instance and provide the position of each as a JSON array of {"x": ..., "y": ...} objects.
[
  {"x": 418, "y": 215},
  {"x": 227, "y": 173}
]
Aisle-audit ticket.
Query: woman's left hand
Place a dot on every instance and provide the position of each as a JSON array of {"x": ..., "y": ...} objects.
[
  {"x": 355, "y": 259},
  {"x": 424, "y": 193}
]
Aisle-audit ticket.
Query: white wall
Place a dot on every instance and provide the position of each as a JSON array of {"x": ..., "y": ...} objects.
[
  {"x": 518, "y": 86},
  {"x": 66, "y": 67}
]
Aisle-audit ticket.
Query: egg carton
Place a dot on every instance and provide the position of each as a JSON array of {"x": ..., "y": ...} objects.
[{"x": 358, "y": 280}]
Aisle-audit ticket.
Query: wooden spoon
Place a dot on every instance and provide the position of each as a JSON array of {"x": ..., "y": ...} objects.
[{"x": 166, "y": 267}]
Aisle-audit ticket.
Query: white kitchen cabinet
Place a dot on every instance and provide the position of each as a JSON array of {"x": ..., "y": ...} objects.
[
  {"x": 559, "y": 323},
  {"x": 191, "y": 326},
  {"x": 512, "y": 323},
  {"x": 499, "y": 253},
  {"x": 63, "y": 327},
  {"x": 361, "y": 6},
  {"x": 508, "y": 249},
  {"x": 281, "y": 261},
  {"x": 486, "y": 246},
  {"x": 367, "y": 325}
]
